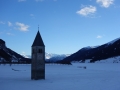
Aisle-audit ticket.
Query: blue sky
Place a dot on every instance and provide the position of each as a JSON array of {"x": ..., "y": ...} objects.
[{"x": 65, "y": 25}]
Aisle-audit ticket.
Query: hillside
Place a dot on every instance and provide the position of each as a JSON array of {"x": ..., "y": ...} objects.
[
  {"x": 8, "y": 55},
  {"x": 108, "y": 50}
]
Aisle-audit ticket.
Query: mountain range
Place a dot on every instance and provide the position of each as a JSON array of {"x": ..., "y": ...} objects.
[
  {"x": 50, "y": 57},
  {"x": 91, "y": 53},
  {"x": 8, "y": 55},
  {"x": 95, "y": 53}
]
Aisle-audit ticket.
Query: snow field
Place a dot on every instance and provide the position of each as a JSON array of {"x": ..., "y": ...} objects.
[{"x": 62, "y": 77}]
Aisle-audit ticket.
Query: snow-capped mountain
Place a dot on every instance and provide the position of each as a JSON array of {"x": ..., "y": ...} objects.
[
  {"x": 97, "y": 53},
  {"x": 90, "y": 47},
  {"x": 50, "y": 57},
  {"x": 26, "y": 56},
  {"x": 58, "y": 56}
]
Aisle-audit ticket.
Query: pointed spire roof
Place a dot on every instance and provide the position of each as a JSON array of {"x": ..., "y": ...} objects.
[{"x": 38, "y": 40}]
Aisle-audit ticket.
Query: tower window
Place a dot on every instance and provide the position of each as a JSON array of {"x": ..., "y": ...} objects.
[{"x": 40, "y": 51}]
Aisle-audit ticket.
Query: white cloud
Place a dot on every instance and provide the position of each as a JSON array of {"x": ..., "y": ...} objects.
[
  {"x": 99, "y": 36},
  {"x": 21, "y": 0},
  {"x": 87, "y": 10},
  {"x": 1, "y": 22},
  {"x": 39, "y": 0},
  {"x": 105, "y": 3},
  {"x": 9, "y": 23},
  {"x": 22, "y": 26}
]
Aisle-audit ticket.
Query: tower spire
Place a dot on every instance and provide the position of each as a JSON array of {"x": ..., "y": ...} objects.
[{"x": 38, "y": 40}]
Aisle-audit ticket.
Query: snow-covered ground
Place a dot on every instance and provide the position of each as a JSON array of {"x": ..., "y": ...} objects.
[
  {"x": 110, "y": 60},
  {"x": 97, "y": 76}
]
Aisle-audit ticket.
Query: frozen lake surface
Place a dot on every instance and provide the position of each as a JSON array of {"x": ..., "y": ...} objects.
[{"x": 96, "y": 76}]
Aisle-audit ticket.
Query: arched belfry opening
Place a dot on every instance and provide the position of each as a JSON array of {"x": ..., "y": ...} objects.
[{"x": 38, "y": 58}]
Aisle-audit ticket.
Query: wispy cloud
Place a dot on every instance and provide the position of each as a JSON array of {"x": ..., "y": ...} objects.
[
  {"x": 105, "y": 3},
  {"x": 21, "y": 0},
  {"x": 9, "y": 23},
  {"x": 39, "y": 0},
  {"x": 11, "y": 34},
  {"x": 1, "y": 32},
  {"x": 22, "y": 26},
  {"x": 99, "y": 36},
  {"x": 31, "y": 15},
  {"x": 1, "y": 22},
  {"x": 117, "y": 6},
  {"x": 87, "y": 10}
]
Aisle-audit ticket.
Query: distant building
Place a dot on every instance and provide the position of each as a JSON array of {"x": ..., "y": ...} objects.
[{"x": 38, "y": 58}]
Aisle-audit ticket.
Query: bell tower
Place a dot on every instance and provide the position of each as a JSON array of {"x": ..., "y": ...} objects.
[{"x": 38, "y": 58}]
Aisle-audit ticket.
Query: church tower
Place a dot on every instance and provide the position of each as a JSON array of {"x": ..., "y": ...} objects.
[{"x": 38, "y": 58}]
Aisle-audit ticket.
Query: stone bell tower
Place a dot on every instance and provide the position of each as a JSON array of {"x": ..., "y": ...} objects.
[{"x": 38, "y": 58}]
